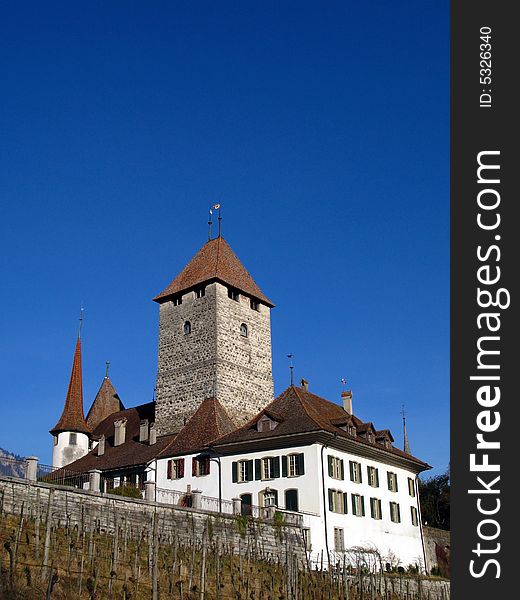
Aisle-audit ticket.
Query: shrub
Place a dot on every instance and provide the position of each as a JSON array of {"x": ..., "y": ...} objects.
[{"x": 129, "y": 491}]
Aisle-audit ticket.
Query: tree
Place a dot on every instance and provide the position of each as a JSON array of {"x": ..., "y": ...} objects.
[{"x": 434, "y": 493}]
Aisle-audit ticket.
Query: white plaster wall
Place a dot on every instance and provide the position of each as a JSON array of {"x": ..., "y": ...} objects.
[
  {"x": 63, "y": 453},
  {"x": 402, "y": 540}
]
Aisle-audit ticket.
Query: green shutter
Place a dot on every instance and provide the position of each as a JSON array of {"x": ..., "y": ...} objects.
[
  {"x": 249, "y": 470},
  {"x": 301, "y": 464},
  {"x": 329, "y": 459},
  {"x": 398, "y": 513},
  {"x": 284, "y": 466},
  {"x": 351, "y": 467},
  {"x": 377, "y": 477},
  {"x": 345, "y": 502},
  {"x": 353, "y": 504},
  {"x": 363, "y": 505},
  {"x": 360, "y": 473},
  {"x": 276, "y": 467},
  {"x": 234, "y": 472},
  {"x": 342, "y": 470},
  {"x": 258, "y": 468},
  {"x": 331, "y": 500},
  {"x": 396, "y": 486}
]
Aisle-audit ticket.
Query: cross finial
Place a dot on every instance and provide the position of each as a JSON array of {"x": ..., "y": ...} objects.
[
  {"x": 291, "y": 367},
  {"x": 80, "y": 320},
  {"x": 343, "y": 383},
  {"x": 107, "y": 363}
]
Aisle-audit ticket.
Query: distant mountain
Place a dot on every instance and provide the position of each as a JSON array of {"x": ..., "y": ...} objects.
[{"x": 11, "y": 464}]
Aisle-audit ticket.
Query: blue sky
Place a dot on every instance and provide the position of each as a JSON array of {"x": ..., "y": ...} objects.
[{"x": 323, "y": 130}]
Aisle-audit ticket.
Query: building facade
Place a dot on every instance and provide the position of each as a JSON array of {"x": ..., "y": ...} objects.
[{"x": 216, "y": 432}]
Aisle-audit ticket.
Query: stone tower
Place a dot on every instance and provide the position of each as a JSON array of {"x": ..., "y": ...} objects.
[{"x": 214, "y": 340}]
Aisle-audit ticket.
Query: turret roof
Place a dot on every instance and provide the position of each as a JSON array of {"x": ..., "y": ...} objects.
[
  {"x": 72, "y": 418},
  {"x": 215, "y": 261},
  {"x": 106, "y": 402}
]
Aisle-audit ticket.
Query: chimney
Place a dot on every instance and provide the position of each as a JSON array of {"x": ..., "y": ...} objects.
[
  {"x": 101, "y": 446},
  {"x": 347, "y": 401},
  {"x": 120, "y": 432},
  {"x": 153, "y": 434},
  {"x": 304, "y": 383},
  {"x": 143, "y": 431}
]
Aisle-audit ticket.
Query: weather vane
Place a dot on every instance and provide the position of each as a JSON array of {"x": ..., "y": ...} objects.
[
  {"x": 291, "y": 367},
  {"x": 210, "y": 220}
]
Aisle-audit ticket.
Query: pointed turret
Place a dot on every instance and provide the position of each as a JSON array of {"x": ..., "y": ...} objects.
[
  {"x": 71, "y": 433},
  {"x": 106, "y": 403},
  {"x": 72, "y": 418},
  {"x": 406, "y": 443}
]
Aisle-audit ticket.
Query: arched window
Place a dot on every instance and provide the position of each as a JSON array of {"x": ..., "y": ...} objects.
[
  {"x": 187, "y": 328},
  {"x": 243, "y": 330}
]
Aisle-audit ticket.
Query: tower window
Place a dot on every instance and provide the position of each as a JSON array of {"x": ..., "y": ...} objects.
[
  {"x": 55, "y": 440},
  {"x": 254, "y": 304},
  {"x": 73, "y": 439},
  {"x": 187, "y": 328},
  {"x": 233, "y": 294},
  {"x": 177, "y": 301},
  {"x": 200, "y": 292},
  {"x": 243, "y": 330}
]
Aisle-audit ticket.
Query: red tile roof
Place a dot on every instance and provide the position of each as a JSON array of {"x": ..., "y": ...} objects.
[
  {"x": 132, "y": 453},
  {"x": 72, "y": 418},
  {"x": 215, "y": 261},
  {"x": 300, "y": 411},
  {"x": 209, "y": 422},
  {"x": 106, "y": 402}
]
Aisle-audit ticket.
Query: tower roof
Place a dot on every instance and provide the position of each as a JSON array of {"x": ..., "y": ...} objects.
[
  {"x": 105, "y": 403},
  {"x": 72, "y": 418},
  {"x": 214, "y": 261}
]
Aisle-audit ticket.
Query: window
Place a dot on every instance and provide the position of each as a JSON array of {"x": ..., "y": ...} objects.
[
  {"x": 177, "y": 301},
  {"x": 339, "y": 539},
  {"x": 395, "y": 512},
  {"x": 293, "y": 465},
  {"x": 242, "y": 470},
  {"x": 187, "y": 328},
  {"x": 415, "y": 516},
  {"x": 358, "y": 505},
  {"x": 373, "y": 476},
  {"x": 291, "y": 500},
  {"x": 55, "y": 437},
  {"x": 267, "y": 468},
  {"x": 247, "y": 504},
  {"x": 392, "y": 481},
  {"x": 200, "y": 292},
  {"x": 336, "y": 470},
  {"x": 269, "y": 498},
  {"x": 243, "y": 330},
  {"x": 411, "y": 487},
  {"x": 200, "y": 466},
  {"x": 375, "y": 508},
  {"x": 73, "y": 439},
  {"x": 355, "y": 471},
  {"x": 254, "y": 305},
  {"x": 266, "y": 424},
  {"x": 175, "y": 468},
  {"x": 338, "y": 501},
  {"x": 233, "y": 294}
]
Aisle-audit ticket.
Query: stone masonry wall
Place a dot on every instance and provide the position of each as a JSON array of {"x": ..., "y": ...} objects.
[
  {"x": 214, "y": 359},
  {"x": 74, "y": 507}
]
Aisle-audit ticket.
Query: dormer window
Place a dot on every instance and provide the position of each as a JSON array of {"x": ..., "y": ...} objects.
[
  {"x": 73, "y": 439},
  {"x": 187, "y": 328},
  {"x": 266, "y": 424},
  {"x": 243, "y": 330},
  {"x": 200, "y": 292},
  {"x": 233, "y": 294},
  {"x": 177, "y": 301},
  {"x": 255, "y": 305},
  {"x": 352, "y": 431}
]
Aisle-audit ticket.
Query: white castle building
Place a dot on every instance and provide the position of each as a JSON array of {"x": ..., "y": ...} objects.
[{"x": 216, "y": 432}]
